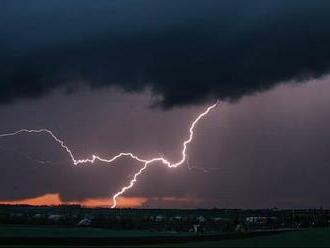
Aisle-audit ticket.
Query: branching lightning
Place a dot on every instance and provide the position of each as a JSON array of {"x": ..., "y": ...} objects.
[{"x": 146, "y": 163}]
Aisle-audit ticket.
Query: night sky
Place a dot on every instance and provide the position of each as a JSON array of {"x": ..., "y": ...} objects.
[{"x": 119, "y": 76}]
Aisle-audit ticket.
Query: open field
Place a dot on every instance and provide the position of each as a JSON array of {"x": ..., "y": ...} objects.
[
  {"x": 62, "y": 232},
  {"x": 17, "y": 236},
  {"x": 318, "y": 237}
]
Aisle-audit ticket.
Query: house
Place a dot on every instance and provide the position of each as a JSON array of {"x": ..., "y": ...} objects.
[
  {"x": 159, "y": 218},
  {"x": 55, "y": 217},
  {"x": 201, "y": 219},
  {"x": 85, "y": 222}
]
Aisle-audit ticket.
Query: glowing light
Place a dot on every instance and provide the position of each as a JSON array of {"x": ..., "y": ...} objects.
[
  {"x": 54, "y": 199},
  {"x": 145, "y": 162}
]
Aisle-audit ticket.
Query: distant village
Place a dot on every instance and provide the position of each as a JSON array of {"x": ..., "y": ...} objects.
[{"x": 166, "y": 220}]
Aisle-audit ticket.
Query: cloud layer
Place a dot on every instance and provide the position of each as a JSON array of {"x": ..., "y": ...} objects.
[{"x": 185, "y": 52}]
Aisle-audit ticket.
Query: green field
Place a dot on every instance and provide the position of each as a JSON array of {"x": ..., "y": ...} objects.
[
  {"x": 318, "y": 237},
  {"x": 51, "y": 231}
]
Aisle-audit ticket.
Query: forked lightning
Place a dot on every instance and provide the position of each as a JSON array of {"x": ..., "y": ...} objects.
[{"x": 146, "y": 163}]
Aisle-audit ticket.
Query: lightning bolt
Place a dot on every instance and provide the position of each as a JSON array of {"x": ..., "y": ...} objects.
[{"x": 146, "y": 163}]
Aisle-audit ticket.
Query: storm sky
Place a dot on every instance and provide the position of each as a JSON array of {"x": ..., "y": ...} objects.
[{"x": 113, "y": 76}]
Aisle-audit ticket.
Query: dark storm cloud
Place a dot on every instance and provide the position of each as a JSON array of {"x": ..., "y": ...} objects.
[{"x": 185, "y": 51}]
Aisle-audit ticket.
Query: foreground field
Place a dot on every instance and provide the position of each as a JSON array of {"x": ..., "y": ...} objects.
[
  {"x": 62, "y": 232},
  {"x": 318, "y": 237},
  {"x": 89, "y": 237}
]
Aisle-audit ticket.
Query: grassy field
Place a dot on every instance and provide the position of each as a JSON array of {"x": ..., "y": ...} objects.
[
  {"x": 86, "y": 232},
  {"x": 318, "y": 237}
]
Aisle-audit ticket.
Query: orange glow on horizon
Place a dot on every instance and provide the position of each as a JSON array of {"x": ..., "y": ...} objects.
[{"x": 55, "y": 199}]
